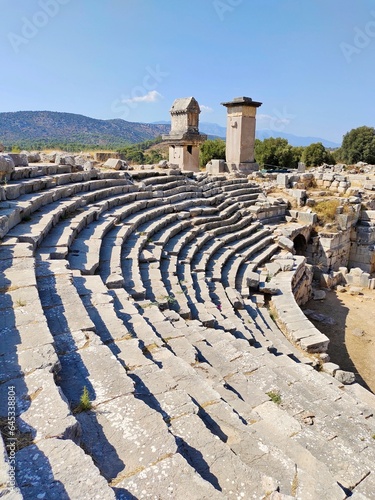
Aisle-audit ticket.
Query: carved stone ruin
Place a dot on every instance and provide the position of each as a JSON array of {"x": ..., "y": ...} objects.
[
  {"x": 184, "y": 138},
  {"x": 241, "y": 120}
]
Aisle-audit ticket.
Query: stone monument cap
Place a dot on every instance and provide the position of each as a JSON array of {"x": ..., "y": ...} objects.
[
  {"x": 185, "y": 104},
  {"x": 247, "y": 101}
]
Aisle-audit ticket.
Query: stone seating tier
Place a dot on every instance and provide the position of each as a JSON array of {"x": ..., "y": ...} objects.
[{"x": 132, "y": 291}]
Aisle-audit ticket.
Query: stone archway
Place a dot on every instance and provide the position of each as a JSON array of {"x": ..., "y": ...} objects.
[{"x": 300, "y": 244}]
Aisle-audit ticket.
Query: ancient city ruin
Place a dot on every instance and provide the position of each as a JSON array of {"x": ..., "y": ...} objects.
[{"x": 151, "y": 328}]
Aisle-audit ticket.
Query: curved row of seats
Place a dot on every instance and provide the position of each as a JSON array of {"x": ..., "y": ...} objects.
[{"x": 133, "y": 295}]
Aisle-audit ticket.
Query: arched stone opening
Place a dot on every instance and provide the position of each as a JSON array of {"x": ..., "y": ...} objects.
[{"x": 300, "y": 244}]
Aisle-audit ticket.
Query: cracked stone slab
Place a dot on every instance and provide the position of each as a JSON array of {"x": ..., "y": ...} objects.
[
  {"x": 131, "y": 353},
  {"x": 170, "y": 478},
  {"x": 235, "y": 298},
  {"x": 125, "y": 436},
  {"x": 308, "y": 468},
  {"x": 41, "y": 407},
  {"x": 75, "y": 317},
  {"x": 97, "y": 369},
  {"x": 59, "y": 469},
  {"x": 21, "y": 337},
  {"x": 14, "y": 364},
  {"x": 215, "y": 461}
]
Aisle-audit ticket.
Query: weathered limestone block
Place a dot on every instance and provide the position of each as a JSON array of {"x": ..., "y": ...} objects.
[
  {"x": 107, "y": 379},
  {"x": 235, "y": 298},
  {"x": 273, "y": 268},
  {"x": 286, "y": 243},
  {"x": 115, "y": 280},
  {"x": 315, "y": 343},
  {"x": 345, "y": 377},
  {"x": 33, "y": 156},
  {"x": 269, "y": 287},
  {"x": 282, "y": 180},
  {"x": 13, "y": 363},
  {"x": 252, "y": 280},
  {"x": 20, "y": 160},
  {"x": 113, "y": 163},
  {"x": 330, "y": 368},
  {"x": 171, "y": 478},
  {"x": 215, "y": 167},
  {"x": 125, "y": 433},
  {"x": 57, "y": 468},
  {"x": 6, "y": 167},
  {"x": 41, "y": 407},
  {"x": 285, "y": 264}
]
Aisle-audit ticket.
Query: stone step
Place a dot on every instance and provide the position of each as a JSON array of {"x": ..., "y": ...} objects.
[
  {"x": 15, "y": 189},
  {"x": 278, "y": 430},
  {"x": 56, "y": 468},
  {"x": 170, "y": 478},
  {"x": 214, "y": 461},
  {"x": 36, "y": 395},
  {"x": 38, "y": 170},
  {"x": 246, "y": 247},
  {"x": 60, "y": 202}
]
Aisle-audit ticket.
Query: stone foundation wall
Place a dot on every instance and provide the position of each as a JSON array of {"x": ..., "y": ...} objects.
[{"x": 362, "y": 243}]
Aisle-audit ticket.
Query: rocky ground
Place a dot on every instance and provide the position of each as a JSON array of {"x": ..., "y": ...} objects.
[{"x": 352, "y": 334}]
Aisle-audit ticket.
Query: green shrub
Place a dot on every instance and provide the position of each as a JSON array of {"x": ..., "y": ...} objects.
[{"x": 84, "y": 402}]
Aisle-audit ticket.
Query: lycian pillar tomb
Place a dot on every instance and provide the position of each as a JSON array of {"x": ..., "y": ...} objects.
[
  {"x": 184, "y": 138},
  {"x": 240, "y": 141}
]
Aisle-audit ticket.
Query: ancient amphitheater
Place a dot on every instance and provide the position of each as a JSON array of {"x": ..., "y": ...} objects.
[{"x": 150, "y": 291}]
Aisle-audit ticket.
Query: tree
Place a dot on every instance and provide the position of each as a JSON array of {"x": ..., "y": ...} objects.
[
  {"x": 212, "y": 149},
  {"x": 276, "y": 152},
  {"x": 316, "y": 154},
  {"x": 358, "y": 145}
]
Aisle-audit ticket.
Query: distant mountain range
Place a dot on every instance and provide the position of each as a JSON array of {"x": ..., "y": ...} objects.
[{"x": 50, "y": 127}]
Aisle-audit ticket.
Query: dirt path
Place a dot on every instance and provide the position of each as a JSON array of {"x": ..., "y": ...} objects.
[{"x": 352, "y": 337}]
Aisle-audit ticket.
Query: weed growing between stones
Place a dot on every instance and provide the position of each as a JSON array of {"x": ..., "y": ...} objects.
[
  {"x": 275, "y": 396},
  {"x": 84, "y": 402}
]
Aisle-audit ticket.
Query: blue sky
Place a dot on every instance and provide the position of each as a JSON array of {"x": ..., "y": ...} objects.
[{"x": 311, "y": 62}]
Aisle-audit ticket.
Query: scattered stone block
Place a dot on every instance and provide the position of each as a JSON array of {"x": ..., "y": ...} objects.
[
  {"x": 252, "y": 280},
  {"x": 215, "y": 167},
  {"x": 6, "y": 167},
  {"x": 113, "y": 163},
  {"x": 344, "y": 377},
  {"x": 19, "y": 160},
  {"x": 273, "y": 268},
  {"x": 286, "y": 244},
  {"x": 319, "y": 295}
]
